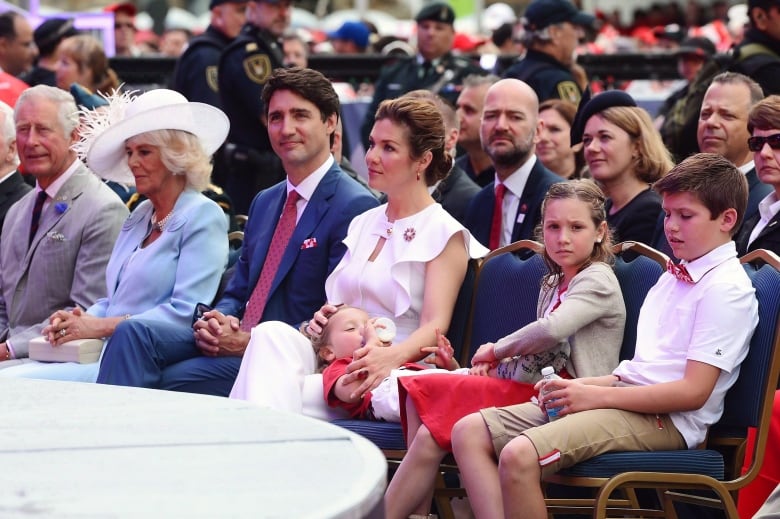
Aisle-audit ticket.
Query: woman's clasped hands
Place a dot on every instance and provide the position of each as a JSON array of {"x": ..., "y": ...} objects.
[{"x": 69, "y": 325}]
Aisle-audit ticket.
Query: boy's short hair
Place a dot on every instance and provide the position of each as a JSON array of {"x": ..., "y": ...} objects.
[{"x": 717, "y": 183}]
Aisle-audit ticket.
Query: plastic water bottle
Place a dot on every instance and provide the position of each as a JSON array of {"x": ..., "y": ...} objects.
[{"x": 548, "y": 373}]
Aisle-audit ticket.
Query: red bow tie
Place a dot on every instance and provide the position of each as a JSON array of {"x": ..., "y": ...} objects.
[{"x": 680, "y": 272}]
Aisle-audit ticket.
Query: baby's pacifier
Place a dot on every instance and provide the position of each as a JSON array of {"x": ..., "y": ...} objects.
[{"x": 385, "y": 329}]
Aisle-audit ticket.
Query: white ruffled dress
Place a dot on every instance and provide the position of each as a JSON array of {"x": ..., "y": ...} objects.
[{"x": 393, "y": 284}]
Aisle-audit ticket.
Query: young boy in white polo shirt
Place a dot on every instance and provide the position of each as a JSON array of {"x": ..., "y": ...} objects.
[{"x": 692, "y": 334}]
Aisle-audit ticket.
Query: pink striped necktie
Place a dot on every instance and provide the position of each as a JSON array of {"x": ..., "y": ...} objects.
[{"x": 284, "y": 230}]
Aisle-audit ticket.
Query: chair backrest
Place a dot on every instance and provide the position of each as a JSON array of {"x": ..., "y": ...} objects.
[
  {"x": 747, "y": 397},
  {"x": 461, "y": 314},
  {"x": 637, "y": 268},
  {"x": 506, "y": 293},
  {"x": 749, "y": 401}
]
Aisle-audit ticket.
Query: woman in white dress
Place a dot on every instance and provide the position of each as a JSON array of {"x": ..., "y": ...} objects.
[{"x": 405, "y": 260}]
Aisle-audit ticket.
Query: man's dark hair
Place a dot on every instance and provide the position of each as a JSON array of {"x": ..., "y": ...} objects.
[
  {"x": 307, "y": 83},
  {"x": 7, "y": 28},
  {"x": 713, "y": 179}
]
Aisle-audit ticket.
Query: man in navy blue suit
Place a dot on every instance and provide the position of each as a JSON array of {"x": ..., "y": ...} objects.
[
  {"x": 302, "y": 112},
  {"x": 510, "y": 208}
]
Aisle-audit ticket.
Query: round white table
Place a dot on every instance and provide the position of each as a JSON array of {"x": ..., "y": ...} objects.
[{"x": 86, "y": 450}]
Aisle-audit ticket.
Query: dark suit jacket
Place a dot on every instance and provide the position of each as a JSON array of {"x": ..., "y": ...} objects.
[
  {"x": 769, "y": 238},
  {"x": 11, "y": 191},
  {"x": 481, "y": 178},
  {"x": 455, "y": 192},
  {"x": 479, "y": 216},
  {"x": 298, "y": 290},
  {"x": 757, "y": 191},
  {"x": 636, "y": 221}
]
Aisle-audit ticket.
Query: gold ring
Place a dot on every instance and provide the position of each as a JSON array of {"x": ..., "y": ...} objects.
[{"x": 63, "y": 333}]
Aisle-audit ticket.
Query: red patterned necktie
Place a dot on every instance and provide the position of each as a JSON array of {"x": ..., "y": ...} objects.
[
  {"x": 284, "y": 229},
  {"x": 36, "y": 215},
  {"x": 680, "y": 272},
  {"x": 495, "y": 226}
]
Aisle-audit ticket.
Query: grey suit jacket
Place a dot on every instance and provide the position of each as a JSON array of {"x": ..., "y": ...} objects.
[{"x": 65, "y": 265}]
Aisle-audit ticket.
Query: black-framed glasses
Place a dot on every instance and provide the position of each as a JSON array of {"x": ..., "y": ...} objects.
[
  {"x": 756, "y": 143},
  {"x": 124, "y": 25}
]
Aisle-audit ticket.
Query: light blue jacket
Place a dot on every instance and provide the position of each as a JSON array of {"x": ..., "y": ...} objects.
[{"x": 164, "y": 280}]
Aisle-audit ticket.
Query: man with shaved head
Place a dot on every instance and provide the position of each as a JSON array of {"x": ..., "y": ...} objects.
[{"x": 509, "y": 209}]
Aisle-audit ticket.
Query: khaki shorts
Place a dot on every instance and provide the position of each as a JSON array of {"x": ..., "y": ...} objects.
[{"x": 580, "y": 436}]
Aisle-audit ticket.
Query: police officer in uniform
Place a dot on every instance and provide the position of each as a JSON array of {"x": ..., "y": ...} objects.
[
  {"x": 195, "y": 75},
  {"x": 244, "y": 68},
  {"x": 435, "y": 68},
  {"x": 553, "y": 29}
]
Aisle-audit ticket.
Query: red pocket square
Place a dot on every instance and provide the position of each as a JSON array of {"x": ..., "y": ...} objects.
[{"x": 309, "y": 243}]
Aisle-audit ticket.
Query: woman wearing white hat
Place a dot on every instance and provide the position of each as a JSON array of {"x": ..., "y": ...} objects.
[{"x": 173, "y": 248}]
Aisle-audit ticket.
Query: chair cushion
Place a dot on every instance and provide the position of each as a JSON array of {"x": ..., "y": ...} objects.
[
  {"x": 697, "y": 461},
  {"x": 385, "y": 435}
]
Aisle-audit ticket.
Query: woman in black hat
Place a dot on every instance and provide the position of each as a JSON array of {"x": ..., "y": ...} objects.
[
  {"x": 625, "y": 155},
  {"x": 48, "y": 36}
]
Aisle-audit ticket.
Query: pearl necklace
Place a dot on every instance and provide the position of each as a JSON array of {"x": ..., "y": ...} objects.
[{"x": 162, "y": 223}]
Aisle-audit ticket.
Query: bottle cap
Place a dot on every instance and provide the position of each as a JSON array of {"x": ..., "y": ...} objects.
[
  {"x": 549, "y": 370},
  {"x": 385, "y": 329}
]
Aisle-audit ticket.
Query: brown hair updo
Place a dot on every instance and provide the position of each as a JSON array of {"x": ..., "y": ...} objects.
[{"x": 425, "y": 132}]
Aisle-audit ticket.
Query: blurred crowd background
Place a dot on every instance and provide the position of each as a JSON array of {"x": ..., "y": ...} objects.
[{"x": 484, "y": 28}]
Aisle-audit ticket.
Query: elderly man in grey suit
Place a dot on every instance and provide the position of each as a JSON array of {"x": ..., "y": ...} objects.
[{"x": 57, "y": 239}]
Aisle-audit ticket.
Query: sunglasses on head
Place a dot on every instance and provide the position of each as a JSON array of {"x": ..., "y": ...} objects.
[{"x": 757, "y": 143}]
